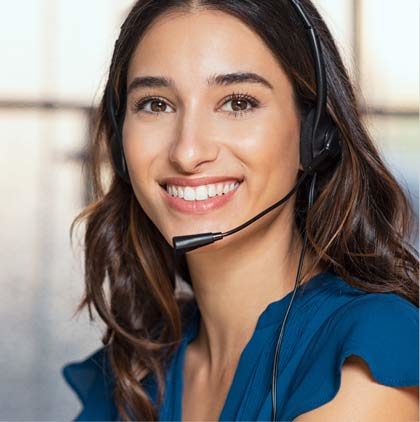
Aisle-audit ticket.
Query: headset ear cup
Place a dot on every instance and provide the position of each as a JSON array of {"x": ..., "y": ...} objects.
[
  {"x": 324, "y": 150},
  {"x": 326, "y": 146},
  {"x": 118, "y": 158},
  {"x": 306, "y": 153},
  {"x": 115, "y": 152},
  {"x": 126, "y": 175},
  {"x": 332, "y": 145}
]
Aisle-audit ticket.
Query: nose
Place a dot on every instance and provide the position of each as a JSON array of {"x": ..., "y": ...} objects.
[{"x": 195, "y": 141}]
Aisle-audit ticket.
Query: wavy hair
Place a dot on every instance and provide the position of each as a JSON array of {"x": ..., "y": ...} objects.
[{"x": 358, "y": 227}]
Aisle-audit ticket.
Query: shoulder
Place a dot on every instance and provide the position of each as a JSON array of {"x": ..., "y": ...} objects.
[
  {"x": 87, "y": 370},
  {"x": 360, "y": 397},
  {"x": 383, "y": 329},
  {"x": 371, "y": 341},
  {"x": 92, "y": 381}
]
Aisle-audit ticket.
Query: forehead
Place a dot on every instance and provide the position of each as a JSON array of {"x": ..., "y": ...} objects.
[{"x": 188, "y": 47}]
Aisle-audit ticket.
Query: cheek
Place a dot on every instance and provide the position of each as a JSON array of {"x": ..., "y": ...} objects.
[
  {"x": 270, "y": 149},
  {"x": 141, "y": 149}
]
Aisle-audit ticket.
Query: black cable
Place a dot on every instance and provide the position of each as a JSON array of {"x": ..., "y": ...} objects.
[{"x": 297, "y": 284}]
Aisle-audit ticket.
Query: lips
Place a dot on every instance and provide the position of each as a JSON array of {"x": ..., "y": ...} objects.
[
  {"x": 182, "y": 181},
  {"x": 197, "y": 207}
]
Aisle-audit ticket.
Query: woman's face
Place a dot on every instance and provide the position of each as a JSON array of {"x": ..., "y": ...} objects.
[{"x": 193, "y": 128}]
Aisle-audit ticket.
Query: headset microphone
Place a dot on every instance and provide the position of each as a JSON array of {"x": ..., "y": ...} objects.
[
  {"x": 190, "y": 242},
  {"x": 320, "y": 148},
  {"x": 186, "y": 243}
]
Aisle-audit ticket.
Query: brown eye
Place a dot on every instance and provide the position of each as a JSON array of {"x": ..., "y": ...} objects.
[
  {"x": 157, "y": 106},
  {"x": 151, "y": 105},
  {"x": 239, "y": 105}
]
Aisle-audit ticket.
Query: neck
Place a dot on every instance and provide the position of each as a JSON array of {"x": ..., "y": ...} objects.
[{"x": 235, "y": 282}]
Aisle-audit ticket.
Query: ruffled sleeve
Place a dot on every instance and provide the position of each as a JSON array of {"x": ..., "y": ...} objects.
[
  {"x": 380, "y": 328},
  {"x": 92, "y": 381}
]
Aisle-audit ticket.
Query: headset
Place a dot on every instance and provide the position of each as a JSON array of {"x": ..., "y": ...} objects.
[{"x": 320, "y": 149}]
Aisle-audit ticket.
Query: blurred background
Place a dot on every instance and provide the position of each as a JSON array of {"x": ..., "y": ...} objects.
[{"x": 55, "y": 56}]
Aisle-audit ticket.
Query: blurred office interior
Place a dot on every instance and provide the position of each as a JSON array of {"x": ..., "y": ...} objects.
[{"x": 55, "y": 57}]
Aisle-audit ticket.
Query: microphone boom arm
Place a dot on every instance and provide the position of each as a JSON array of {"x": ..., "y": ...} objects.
[{"x": 190, "y": 242}]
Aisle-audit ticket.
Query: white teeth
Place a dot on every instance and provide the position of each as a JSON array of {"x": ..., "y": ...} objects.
[
  {"x": 201, "y": 193},
  {"x": 211, "y": 190},
  {"x": 180, "y": 192},
  {"x": 189, "y": 194}
]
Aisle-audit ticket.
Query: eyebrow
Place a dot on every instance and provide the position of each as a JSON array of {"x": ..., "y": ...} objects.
[{"x": 224, "y": 79}]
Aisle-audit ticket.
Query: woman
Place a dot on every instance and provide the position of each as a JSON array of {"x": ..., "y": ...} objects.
[{"x": 210, "y": 97}]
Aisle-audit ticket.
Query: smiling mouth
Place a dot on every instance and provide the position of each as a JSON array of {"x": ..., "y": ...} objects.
[
  {"x": 199, "y": 206},
  {"x": 204, "y": 193}
]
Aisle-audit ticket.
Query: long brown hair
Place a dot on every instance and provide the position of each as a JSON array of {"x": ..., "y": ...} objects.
[{"x": 358, "y": 227}]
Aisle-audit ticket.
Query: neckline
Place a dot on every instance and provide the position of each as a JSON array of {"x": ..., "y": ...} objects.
[{"x": 271, "y": 316}]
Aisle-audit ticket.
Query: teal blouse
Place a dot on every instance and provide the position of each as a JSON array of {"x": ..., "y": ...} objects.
[{"x": 329, "y": 320}]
